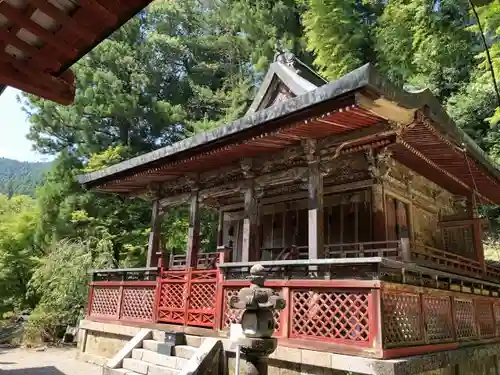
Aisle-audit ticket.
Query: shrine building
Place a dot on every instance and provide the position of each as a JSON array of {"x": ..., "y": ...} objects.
[{"x": 358, "y": 198}]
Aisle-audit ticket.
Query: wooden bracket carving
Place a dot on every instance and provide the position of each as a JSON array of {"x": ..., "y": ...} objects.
[
  {"x": 379, "y": 164},
  {"x": 247, "y": 168},
  {"x": 310, "y": 150},
  {"x": 192, "y": 181},
  {"x": 399, "y": 127},
  {"x": 154, "y": 191}
]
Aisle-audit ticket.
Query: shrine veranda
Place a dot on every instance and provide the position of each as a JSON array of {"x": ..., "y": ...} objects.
[{"x": 359, "y": 199}]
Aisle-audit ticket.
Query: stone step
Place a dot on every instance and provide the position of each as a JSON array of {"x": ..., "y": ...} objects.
[
  {"x": 194, "y": 341},
  {"x": 144, "y": 368},
  {"x": 135, "y": 365},
  {"x": 118, "y": 371},
  {"x": 184, "y": 351},
  {"x": 157, "y": 346},
  {"x": 159, "y": 359}
]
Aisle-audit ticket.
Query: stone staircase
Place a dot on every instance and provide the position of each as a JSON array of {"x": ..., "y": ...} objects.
[{"x": 158, "y": 358}]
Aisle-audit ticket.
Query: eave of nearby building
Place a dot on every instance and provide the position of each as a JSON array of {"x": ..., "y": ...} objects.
[
  {"x": 362, "y": 95},
  {"x": 42, "y": 39}
]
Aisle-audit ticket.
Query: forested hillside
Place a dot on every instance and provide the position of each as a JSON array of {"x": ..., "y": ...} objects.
[
  {"x": 21, "y": 178},
  {"x": 181, "y": 67}
]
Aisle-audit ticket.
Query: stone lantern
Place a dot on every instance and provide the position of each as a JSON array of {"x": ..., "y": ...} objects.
[{"x": 257, "y": 321}]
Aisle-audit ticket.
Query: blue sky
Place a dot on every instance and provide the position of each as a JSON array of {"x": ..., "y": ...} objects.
[{"x": 14, "y": 126}]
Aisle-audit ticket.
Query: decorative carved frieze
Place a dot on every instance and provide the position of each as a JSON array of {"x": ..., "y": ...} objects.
[
  {"x": 192, "y": 181},
  {"x": 379, "y": 163},
  {"x": 247, "y": 168},
  {"x": 310, "y": 150}
]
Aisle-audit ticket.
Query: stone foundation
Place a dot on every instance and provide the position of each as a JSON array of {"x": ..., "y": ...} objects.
[{"x": 101, "y": 341}]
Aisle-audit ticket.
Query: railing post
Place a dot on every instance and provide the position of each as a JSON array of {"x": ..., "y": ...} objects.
[
  {"x": 219, "y": 300},
  {"x": 375, "y": 320},
  {"x": 156, "y": 306},
  {"x": 286, "y": 313},
  {"x": 90, "y": 298},
  {"x": 120, "y": 303},
  {"x": 224, "y": 254},
  {"x": 405, "y": 249}
]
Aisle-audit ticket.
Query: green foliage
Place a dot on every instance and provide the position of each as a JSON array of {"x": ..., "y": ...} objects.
[
  {"x": 20, "y": 178},
  {"x": 60, "y": 284},
  {"x": 18, "y": 251},
  {"x": 490, "y": 18},
  {"x": 425, "y": 44},
  {"x": 338, "y": 32}
]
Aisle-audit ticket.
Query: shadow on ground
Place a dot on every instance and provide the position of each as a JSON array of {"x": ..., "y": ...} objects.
[{"x": 46, "y": 370}]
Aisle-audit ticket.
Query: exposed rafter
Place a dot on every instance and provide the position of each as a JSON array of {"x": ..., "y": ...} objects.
[{"x": 41, "y": 39}]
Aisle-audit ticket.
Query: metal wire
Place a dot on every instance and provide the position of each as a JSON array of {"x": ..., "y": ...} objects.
[
  {"x": 488, "y": 56},
  {"x": 476, "y": 190}
]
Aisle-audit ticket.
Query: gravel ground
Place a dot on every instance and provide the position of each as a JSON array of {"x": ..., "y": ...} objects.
[{"x": 48, "y": 362}]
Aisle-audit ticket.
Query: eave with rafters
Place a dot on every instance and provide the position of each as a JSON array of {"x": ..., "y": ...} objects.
[
  {"x": 413, "y": 126},
  {"x": 41, "y": 39}
]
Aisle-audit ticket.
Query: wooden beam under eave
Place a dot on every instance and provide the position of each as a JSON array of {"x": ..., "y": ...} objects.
[
  {"x": 18, "y": 17},
  {"x": 31, "y": 51},
  {"x": 386, "y": 109},
  {"x": 64, "y": 19},
  {"x": 110, "y": 18},
  {"x": 11, "y": 77},
  {"x": 54, "y": 83}
]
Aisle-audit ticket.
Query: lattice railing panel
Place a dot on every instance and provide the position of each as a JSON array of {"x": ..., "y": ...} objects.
[
  {"x": 229, "y": 315},
  {"x": 402, "y": 322},
  {"x": 105, "y": 301},
  {"x": 138, "y": 303},
  {"x": 202, "y": 296},
  {"x": 496, "y": 312},
  {"x": 485, "y": 318},
  {"x": 171, "y": 307},
  {"x": 464, "y": 318},
  {"x": 438, "y": 318},
  {"x": 202, "y": 299},
  {"x": 330, "y": 314},
  {"x": 172, "y": 295},
  {"x": 233, "y": 316}
]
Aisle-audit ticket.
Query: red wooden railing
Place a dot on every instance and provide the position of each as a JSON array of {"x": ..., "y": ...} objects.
[
  {"x": 444, "y": 260},
  {"x": 416, "y": 321},
  {"x": 125, "y": 301},
  {"x": 361, "y": 316}
]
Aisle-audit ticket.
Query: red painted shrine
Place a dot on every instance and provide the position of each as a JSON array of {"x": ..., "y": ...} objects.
[{"x": 359, "y": 199}]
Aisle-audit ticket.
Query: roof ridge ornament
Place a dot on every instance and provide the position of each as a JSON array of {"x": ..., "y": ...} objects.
[{"x": 285, "y": 57}]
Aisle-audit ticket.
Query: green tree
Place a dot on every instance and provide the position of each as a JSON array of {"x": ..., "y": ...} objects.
[
  {"x": 339, "y": 33},
  {"x": 426, "y": 44},
  {"x": 18, "y": 251}
]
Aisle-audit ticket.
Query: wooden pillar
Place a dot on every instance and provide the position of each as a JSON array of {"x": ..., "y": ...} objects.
[
  {"x": 193, "y": 243},
  {"x": 251, "y": 232},
  {"x": 154, "y": 235},
  {"x": 220, "y": 229},
  {"x": 378, "y": 211},
  {"x": 316, "y": 231}
]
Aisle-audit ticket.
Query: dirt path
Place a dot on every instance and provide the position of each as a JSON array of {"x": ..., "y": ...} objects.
[{"x": 48, "y": 362}]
